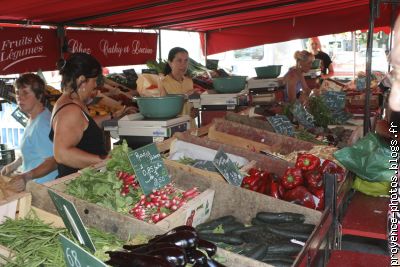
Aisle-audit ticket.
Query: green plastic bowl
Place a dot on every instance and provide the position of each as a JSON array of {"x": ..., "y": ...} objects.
[
  {"x": 229, "y": 85},
  {"x": 165, "y": 107},
  {"x": 316, "y": 64},
  {"x": 268, "y": 72}
]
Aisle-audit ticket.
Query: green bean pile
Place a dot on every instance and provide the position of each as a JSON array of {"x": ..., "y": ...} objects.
[{"x": 37, "y": 243}]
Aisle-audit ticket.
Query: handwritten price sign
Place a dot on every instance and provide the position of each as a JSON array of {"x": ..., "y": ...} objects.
[
  {"x": 149, "y": 168},
  {"x": 227, "y": 168}
]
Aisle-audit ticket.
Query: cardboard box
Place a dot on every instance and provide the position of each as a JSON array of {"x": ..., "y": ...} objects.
[{"x": 15, "y": 206}]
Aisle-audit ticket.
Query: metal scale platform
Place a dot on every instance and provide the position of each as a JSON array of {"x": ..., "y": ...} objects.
[
  {"x": 213, "y": 105},
  {"x": 138, "y": 131},
  {"x": 265, "y": 91}
]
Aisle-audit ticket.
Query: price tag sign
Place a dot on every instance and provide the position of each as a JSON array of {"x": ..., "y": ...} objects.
[
  {"x": 227, "y": 168},
  {"x": 334, "y": 100},
  {"x": 71, "y": 219},
  {"x": 75, "y": 256},
  {"x": 149, "y": 168},
  {"x": 281, "y": 124},
  {"x": 303, "y": 116}
]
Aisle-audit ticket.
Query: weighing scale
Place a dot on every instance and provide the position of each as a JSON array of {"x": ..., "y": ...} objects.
[
  {"x": 139, "y": 131},
  {"x": 265, "y": 91},
  {"x": 213, "y": 105}
]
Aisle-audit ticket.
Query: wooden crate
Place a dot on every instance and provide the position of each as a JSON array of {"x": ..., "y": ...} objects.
[
  {"x": 277, "y": 166},
  {"x": 254, "y": 139},
  {"x": 228, "y": 199}
]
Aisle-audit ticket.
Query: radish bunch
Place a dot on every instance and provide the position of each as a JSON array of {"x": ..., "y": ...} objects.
[
  {"x": 161, "y": 203},
  {"x": 128, "y": 181}
]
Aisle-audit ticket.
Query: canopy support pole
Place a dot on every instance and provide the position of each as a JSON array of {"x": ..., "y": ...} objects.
[
  {"x": 372, "y": 13},
  {"x": 159, "y": 45},
  {"x": 205, "y": 49}
]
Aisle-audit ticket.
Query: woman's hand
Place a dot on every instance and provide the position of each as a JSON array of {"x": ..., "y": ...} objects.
[
  {"x": 124, "y": 111},
  {"x": 18, "y": 183},
  {"x": 9, "y": 168}
]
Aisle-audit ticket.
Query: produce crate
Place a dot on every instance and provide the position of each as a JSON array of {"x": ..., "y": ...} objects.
[
  {"x": 355, "y": 135},
  {"x": 254, "y": 139},
  {"x": 12, "y": 204},
  {"x": 262, "y": 124},
  {"x": 275, "y": 165},
  {"x": 355, "y": 99},
  {"x": 228, "y": 199},
  {"x": 114, "y": 222}
]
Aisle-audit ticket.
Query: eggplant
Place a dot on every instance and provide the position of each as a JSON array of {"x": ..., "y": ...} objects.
[
  {"x": 174, "y": 255},
  {"x": 210, "y": 263},
  {"x": 128, "y": 259},
  {"x": 183, "y": 239},
  {"x": 146, "y": 248},
  {"x": 175, "y": 230},
  {"x": 196, "y": 256},
  {"x": 208, "y": 246}
]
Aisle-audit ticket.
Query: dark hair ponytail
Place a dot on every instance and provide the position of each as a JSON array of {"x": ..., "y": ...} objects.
[
  {"x": 171, "y": 55},
  {"x": 76, "y": 65}
]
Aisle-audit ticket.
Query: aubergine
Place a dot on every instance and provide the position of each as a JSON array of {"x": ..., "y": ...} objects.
[
  {"x": 146, "y": 248},
  {"x": 128, "y": 259},
  {"x": 280, "y": 217},
  {"x": 209, "y": 247},
  {"x": 174, "y": 255},
  {"x": 196, "y": 256},
  {"x": 175, "y": 230},
  {"x": 210, "y": 263},
  {"x": 184, "y": 239}
]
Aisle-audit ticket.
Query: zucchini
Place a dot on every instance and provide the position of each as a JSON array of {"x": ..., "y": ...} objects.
[
  {"x": 253, "y": 228},
  {"x": 296, "y": 227},
  {"x": 258, "y": 252},
  {"x": 285, "y": 248},
  {"x": 256, "y": 221},
  {"x": 224, "y": 238},
  {"x": 288, "y": 233},
  {"x": 228, "y": 228},
  {"x": 272, "y": 217},
  {"x": 262, "y": 237},
  {"x": 214, "y": 223},
  {"x": 279, "y": 263}
]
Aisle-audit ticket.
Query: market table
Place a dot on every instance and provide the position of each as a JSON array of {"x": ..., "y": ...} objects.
[
  {"x": 357, "y": 259},
  {"x": 366, "y": 216}
]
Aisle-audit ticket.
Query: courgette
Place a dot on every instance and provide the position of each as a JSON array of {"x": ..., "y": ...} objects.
[
  {"x": 272, "y": 217},
  {"x": 255, "y": 221},
  {"x": 279, "y": 263},
  {"x": 228, "y": 228},
  {"x": 285, "y": 248},
  {"x": 214, "y": 223},
  {"x": 288, "y": 233},
  {"x": 296, "y": 227},
  {"x": 258, "y": 252},
  {"x": 253, "y": 228},
  {"x": 224, "y": 238}
]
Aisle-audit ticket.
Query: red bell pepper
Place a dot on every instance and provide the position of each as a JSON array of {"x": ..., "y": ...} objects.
[
  {"x": 307, "y": 162},
  {"x": 292, "y": 178},
  {"x": 331, "y": 167},
  {"x": 314, "y": 179},
  {"x": 251, "y": 180},
  {"x": 320, "y": 194},
  {"x": 300, "y": 195},
  {"x": 274, "y": 185}
]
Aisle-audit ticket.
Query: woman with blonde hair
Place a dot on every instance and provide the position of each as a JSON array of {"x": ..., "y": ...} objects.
[
  {"x": 296, "y": 86},
  {"x": 326, "y": 62}
]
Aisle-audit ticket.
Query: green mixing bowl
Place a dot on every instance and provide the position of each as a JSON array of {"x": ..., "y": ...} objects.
[
  {"x": 165, "y": 107},
  {"x": 229, "y": 85},
  {"x": 268, "y": 72},
  {"x": 316, "y": 64}
]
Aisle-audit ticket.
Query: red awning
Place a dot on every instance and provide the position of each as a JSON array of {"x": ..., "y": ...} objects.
[{"x": 230, "y": 24}]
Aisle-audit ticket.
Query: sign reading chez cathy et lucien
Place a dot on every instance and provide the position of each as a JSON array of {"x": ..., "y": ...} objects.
[
  {"x": 114, "y": 48},
  {"x": 27, "y": 49}
]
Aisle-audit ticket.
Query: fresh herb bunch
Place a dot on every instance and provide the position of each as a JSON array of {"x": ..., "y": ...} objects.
[{"x": 320, "y": 111}]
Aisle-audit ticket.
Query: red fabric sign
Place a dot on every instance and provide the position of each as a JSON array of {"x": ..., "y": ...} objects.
[
  {"x": 114, "y": 48},
  {"x": 27, "y": 50}
]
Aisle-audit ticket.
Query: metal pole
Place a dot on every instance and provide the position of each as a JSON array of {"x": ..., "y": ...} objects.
[
  {"x": 392, "y": 20},
  {"x": 159, "y": 45},
  {"x": 367, "y": 122},
  {"x": 205, "y": 49},
  {"x": 353, "y": 37}
]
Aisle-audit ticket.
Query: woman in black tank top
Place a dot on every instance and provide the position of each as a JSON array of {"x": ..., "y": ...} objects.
[{"x": 78, "y": 140}]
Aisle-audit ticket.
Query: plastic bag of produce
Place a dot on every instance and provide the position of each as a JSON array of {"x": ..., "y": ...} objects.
[
  {"x": 148, "y": 85},
  {"x": 375, "y": 189},
  {"x": 370, "y": 158}
]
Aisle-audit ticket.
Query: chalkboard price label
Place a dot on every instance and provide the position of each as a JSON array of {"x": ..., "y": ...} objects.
[
  {"x": 71, "y": 219},
  {"x": 334, "y": 100},
  {"x": 149, "y": 168},
  {"x": 281, "y": 124},
  {"x": 227, "y": 168},
  {"x": 75, "y": 256}
]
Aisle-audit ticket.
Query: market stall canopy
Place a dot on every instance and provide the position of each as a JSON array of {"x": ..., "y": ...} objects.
[{"x": 230, "y": 24}]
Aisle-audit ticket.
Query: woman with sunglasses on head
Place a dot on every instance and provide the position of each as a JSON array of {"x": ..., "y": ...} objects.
[
  {"x": 78, "y": 138},
  {"x": 37, "y": 159},
  {"x": 326, "y": 61}
]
